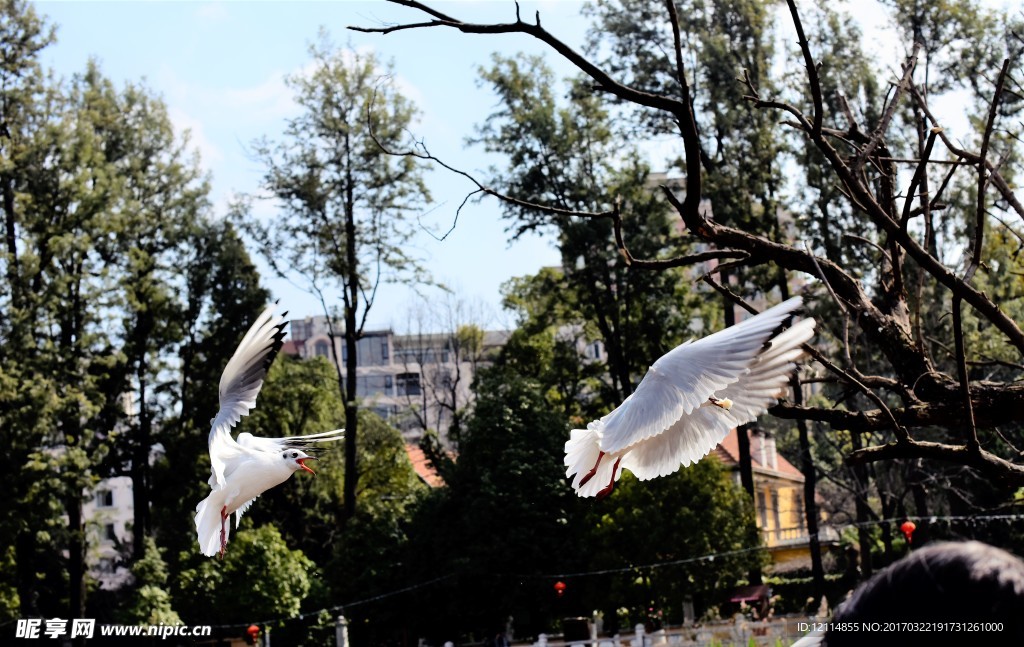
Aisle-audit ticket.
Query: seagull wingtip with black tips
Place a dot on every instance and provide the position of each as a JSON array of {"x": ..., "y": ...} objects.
[
  {"x": 243, "y": 469},
  {"x": 688, "y": 401}
]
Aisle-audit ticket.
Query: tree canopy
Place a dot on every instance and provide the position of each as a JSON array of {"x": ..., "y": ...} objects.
[
  {"x": 895, "y": 203},
  {"x": 345, "y": 205}
]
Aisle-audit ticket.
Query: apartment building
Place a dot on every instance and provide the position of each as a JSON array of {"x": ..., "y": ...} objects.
[
  {"x": 109, "y": 511},
  {"x": 415, "y": 382}
]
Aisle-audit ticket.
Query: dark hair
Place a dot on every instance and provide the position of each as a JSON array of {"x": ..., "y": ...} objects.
[{"x": 953, "y": 582}]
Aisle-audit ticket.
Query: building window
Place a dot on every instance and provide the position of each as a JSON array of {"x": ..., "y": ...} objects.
[
  {"x": 108, "y": 532},
  {"x": 322, "y": 349},
  {"x": 798, "y": 503},
  {"x": 389, "y": 382},
  {"x": 775, "y": 510},
  {"x": 104, "y": 499},
  {"x": 384, "y": 347},
  {"x": 408, "y": 384},
  {"x": 105, "y": 565}
]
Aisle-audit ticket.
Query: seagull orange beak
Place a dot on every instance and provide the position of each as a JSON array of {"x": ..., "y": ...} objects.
[{"x": 304, "y": 466}]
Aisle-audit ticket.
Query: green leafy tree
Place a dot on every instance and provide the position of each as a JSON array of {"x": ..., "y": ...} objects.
[
  {"x": 563, "y": 160},
  {"x": 26, "y": 392},
  {"x": 222, "y": 296},
  {"x": 546, "y": 344},
  {"x": 66, "y": 193},
  {"x": 344, "y": 201},
  {"x": 696, "y": 528},
  {"x": 160, "y": 215},
  {"x": 147, "y": 599},
  {"x": 363, "y": 557},
  {"x": 903, "y": 377},
  {"x": 504, "y": 518},
  {"x": 259, "y": 578},
  {"x": 369, "y": 557},
  {"x": 99, "y": 200},
  {"x": 9, "y": 602}
]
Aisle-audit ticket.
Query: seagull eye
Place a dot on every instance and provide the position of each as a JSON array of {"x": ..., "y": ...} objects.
[{"x": 294, "y": 454}]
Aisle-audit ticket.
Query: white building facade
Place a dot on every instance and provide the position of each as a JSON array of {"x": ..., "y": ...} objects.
[{"x": 109, "y": 510}]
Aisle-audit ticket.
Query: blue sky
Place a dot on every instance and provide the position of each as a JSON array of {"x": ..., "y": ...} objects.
[{"x": 220, "y": 66}]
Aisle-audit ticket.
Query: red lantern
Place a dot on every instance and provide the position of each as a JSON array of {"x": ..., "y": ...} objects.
[
  {"x": 559, "y": 588},
  {"x": 908, "y": 528}
]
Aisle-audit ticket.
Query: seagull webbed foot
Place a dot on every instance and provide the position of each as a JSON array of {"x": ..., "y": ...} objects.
[
  {"x": 223, "y": 531},
  {"x": 606, "y": 490},
  {"x": 589, "y": 475}
]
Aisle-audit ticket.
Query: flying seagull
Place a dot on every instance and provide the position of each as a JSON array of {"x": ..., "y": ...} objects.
[
  {"x": 688, "y": 401},
  {"x": 244, "y": 469}
]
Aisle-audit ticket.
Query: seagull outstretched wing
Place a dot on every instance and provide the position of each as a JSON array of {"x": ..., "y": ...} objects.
[
  {"x": 240, "y": 384},
  {"x": 689, "y": 400},
  {"x": 685, "y": 377}
]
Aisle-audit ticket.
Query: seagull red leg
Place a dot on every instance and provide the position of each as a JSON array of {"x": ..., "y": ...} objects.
[
  {"x": 611, "y": 483},
  {"x": 223, "y": 532},
  {"x": 589, "y": 475}
]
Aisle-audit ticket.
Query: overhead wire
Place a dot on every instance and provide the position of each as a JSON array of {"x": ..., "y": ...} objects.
[{"x": 710, "y": 557}]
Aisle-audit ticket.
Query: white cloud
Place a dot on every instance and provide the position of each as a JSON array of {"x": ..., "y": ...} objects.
[
  {"x": 212, "y": 12},
  {"x": 271, "y": 98},
  {"x": 184, "y": 123}
]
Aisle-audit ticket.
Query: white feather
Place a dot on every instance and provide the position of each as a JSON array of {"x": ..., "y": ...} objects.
[
  {"x": 671, "y": 419},
  {"x": 242, "y": 470}
]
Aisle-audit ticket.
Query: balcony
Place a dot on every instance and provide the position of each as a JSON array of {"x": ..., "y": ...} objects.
[{"x": 786, "y": 537}]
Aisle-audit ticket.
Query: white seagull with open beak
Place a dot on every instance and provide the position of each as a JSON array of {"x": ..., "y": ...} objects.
[
  {"x": 244, "y": 469},
  {"x": 688, "y": 401}
]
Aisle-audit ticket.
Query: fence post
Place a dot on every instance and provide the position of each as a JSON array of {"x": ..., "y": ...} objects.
[
  {"x": 341, "y": 632},
  {"x": 639, "y": 641}
]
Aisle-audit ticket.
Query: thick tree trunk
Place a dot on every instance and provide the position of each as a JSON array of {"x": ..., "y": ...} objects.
[
  {"x": 76, "y": 555},
  {"x": 140, "y": 471},
  {"x": 11, "y": 240},
  {"x": 860, "y": 493},
  {"x": 742, "y": 433},
  {"x": 25, "y": 558},
  {"x": 351, "y": 338},
  {"x": 810, "y": 505},
  {"x": 743, "y": 441},
  {"x": 351, "y": 421}
]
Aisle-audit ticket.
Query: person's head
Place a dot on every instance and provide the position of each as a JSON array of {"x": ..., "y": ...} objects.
[{"x": 967, "y": 582}]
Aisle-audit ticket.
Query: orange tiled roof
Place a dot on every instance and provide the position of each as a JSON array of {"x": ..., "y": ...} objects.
[
  {"x": 422, "y": 466},
  {"x": 728, "y": 451}
]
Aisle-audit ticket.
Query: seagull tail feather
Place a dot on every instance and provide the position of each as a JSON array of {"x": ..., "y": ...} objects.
[
  {"x": 583, "y": 454},
  {"x": 311, "y": 441},
  {"x": 208, "y": 525}
]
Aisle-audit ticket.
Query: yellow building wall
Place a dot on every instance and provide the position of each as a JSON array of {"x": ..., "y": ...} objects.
[{"x": 779, "y": 508}]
